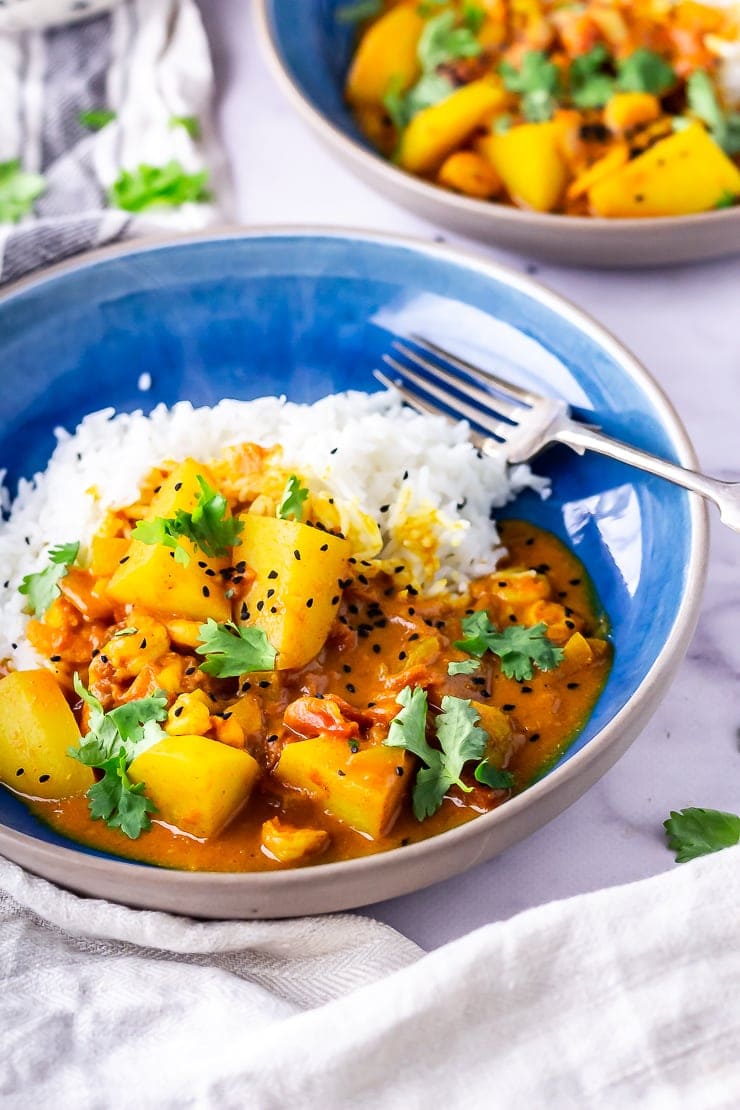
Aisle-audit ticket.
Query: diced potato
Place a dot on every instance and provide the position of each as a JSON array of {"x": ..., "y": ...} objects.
[
  {"x": 628, "y": 109},
  {"x": 248, "y": 712},
  {"x": 435, "y": 132},
  {"x": 36, "y": 728},
  {"x": 184, "y": 633},
  {"x": 498, "y": 726},
  {"x": 106, "y": 554},
  {"x": 470, "y": 173},
  {"x": 152, "y": 578},
  {"x": 530, "y": 163},
  {"x": 296, "y": 591},
  {"x": 197, "y": 784},
  {"x": 386, "y": 53},
  {"x": 79, "y": 587},
  {"x": 289, "y": 844},
  {"x": 687, "y": 172},
  {"x": 610, "y": 163},
  {"x": 364, "y": 789},
  {"x": 577, "y": 652},
  {"x": 189, "y": 715}
]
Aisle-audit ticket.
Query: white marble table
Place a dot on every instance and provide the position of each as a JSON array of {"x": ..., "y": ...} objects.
[{"x": 683, "y": 325}]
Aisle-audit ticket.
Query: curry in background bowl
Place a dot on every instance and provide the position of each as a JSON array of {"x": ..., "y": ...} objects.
[{"x": 592, "y": 109}]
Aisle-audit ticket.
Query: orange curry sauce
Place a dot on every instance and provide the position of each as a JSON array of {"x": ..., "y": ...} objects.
[{"x": 383, "y": 638}]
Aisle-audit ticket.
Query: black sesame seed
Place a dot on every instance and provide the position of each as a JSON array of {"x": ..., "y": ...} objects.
[
  {"x": 125, "y": 559},
  {"x": 190, "y": 670},
  {"x": 371, "y": 705},
  {"x": 156, "y": 489},
  {"x": 568, "y": 611},
  {"x": 103, "y": 658},
  {"x": 297, "y": 555},
  {"x": 530, "y": 541},
  {"x": 411, "y": 611},
  {"x": 485, "y": 693},
  {"x": 478, "y": 680},
  {"x": 534, "y": 737},
  {"x": 210, "y": 572},
  {"x": 381, "y": 623},
  {"x": 202, "y": 564},
  {"x": 439, "y": 624},
  {"x": 377, "y": 649},
  {"x": 272, "y": 574},
  {"x": 508, "y": 708},
  {"x": 264, "y": 683},
  {"x": 350, "y": 687},
  {"x": 526, "y": 689},
  {"x": 260, "y": 605},
  {"x": 55, "y": 658},
  {"x": 363, "y": 578},
  {"x": 20, "y": 771},
  {"x": 246, "y": 687},
  {"x": 384, "y": 508},
  {"x": 512, "y": 618},
  {"x": 324, "y": 547},
  {"x": 341, "y": 773},
  {"x": 205, "y": 591},
  {"x": 405, "y": 475},
  {"x": 389, "y": 592},
  {"x": 333, "y": 450},
  {"x": 178, "y": 711},
  {"x": 399, "y": 569},
  {"x": 574, "y": 581},
  {"x": 569, "y": 624},
  {"x": 562, "y": 593},
  {"x": 573, "y": 685},
  {"x": 178, "y": 486},
  {"x": 335, "y": 599},
  {"x": 399, "y": 771},
  {"x": 502, "y": 585},
  {"x": 346, "y": 668},
  {"x": 273, "y": 608},
  {"x": 142, "y": 645},
  {"x": 270, "y": 592},
  {"x": 402, "y": 655},
  {"x": 44, "y": 778},
  {"x": 244, "y": 611},
  {"x": 271, "y": 739},
  {"x": 412, "y": 591}
]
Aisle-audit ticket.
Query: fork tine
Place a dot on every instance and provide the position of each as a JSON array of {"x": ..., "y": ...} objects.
[
  {"x": 414, "y": 399},
  {"x": 458, "y": 407},
  {"x": 478, "y": 372},
  {"x": 482, "y": 396}
]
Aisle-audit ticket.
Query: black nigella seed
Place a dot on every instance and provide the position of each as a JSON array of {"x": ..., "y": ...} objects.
[
  {"x": 354, "y": 610},
  {"x": 142, "y": 645},
  {"x": 335, "y": 599},
  {"x": 6, "y": 583},
  {"x": 478, "y": 680},
  {"x": 569, "y": 624},
  {"x": 503, "y": 585},
  {"x": 246, "y": 687},
  {"x": 350, "y": 687},
  {"x": 413, "y": 636},
  {"x": 264, "y": 683},
  {"x": 485, "y": 693},
  {"x": 399, "y": 771},
  {"x": 526, "y": 689},
  {"x": 95, "y": 651},
  {"x": 333, "y": 450},
  {"x": 156, "y": 489},
  {"x": 341, "y": 773},
  {"x": 439, "y": 624},
  {"x": 190, "y": 670},
  {"x": 530, "y": 541},
  {"x": 238, "y": 579},
  {"x": 573, "y": 685},
  {"x": 260, "y": 605},
  {"x": 384, "y": 508},
  {"x": 125, "y": 559},
  {"x": 343, "y": 620},
  {"x": 103, "y": 658},
  {"x": 273, "y": 608},
  {"x": 377, "y": 649},
  {"x": 202, "y": 564},
  {"x": 388, "y": 592},
  {"x": 241, "y": 566},
  {"x": 346, "y": 668},
  {"x": 244, "y": 612},
  {"x": 324, "y": 547},
  {"x": 363, "y": 578},
  {"x": 405, "y": 476},
  {"x": 381, "y": 623},
  {"x": 44, "y": 778},
  {"x": 178, "y": 486},
  {"x": 55, "y": 658},
  {"x": 399, "y": 569},
  {"x": 412, "y": 591},
  {"x": 402, "y": 655},
  {"x": 508, "y": 708},
  {"x": 14, "y": 647},
  {"x": 270, "y": 592},
  {"x": 411, "y": 611},
  {"x": 273, "y": 574},
  {"x": 534, "y": 737},
  {"x": 178, "y": 712},
  {"x": 352, "y": 560},
  {"x": 512, "y": 618},
  {"x": 205, "y": 591},
  {"x": 371, "y": 705},
  {"x": 574, "y": 581},
  {"x": 297, "y": 555},
  {"x": 364, "y": 627},
  {"x": 271, "y": 739},
  {"x": 568, "y": 611},
  {"x": 20, "y": 771},
  {"x": 210, "y": 572},
  {"x": 429, "y": 622},
  {"x": 562, "y": 593}
]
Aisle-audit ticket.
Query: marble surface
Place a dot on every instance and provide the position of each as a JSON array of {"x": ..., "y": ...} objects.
[{"x": 682, "y": 324}]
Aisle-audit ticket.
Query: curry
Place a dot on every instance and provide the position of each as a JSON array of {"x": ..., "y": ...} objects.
[{"x": 230, "y": 688}]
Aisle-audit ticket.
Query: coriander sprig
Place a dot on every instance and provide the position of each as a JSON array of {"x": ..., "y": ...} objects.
[
  {"x": 232, "y": 650},
  {"x": 460, "y": 741},
  {"x": 207, "y": 526},
  {"x": 519, "y": 648},
  {"x": 43, "y": 587},
  {"x": 696, "y": 832},
  {"x": 112, "y": 742},
  {"x": 291, "y": 502}
]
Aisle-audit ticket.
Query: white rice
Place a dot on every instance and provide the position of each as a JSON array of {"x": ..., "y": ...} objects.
[{"x": 356, "y": 446}]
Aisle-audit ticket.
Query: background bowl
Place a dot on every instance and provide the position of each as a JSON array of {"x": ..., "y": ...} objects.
[
  {"x": 308, "y": 313},
  {"x": 310, "y": 53}
]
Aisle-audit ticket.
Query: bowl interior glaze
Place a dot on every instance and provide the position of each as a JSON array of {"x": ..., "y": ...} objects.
[{"x": 309, "y": 314}]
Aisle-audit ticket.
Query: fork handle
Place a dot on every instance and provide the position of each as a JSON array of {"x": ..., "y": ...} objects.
[{"x": 725, "y": 495}]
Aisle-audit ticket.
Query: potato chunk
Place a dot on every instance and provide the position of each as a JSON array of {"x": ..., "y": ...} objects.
[
  {"x": 296, "y": 591},
  {"x": 289, "y": 844},
  {"x": 687, "y": 172},
  {"x": 197, "y": 784},
  {"x": 435, "y": 132},
  {"x": 387, "y": 53},
  {"x": 529, "y": 161},
  {"x": 36, "y": 728},
  {"x": 364, "y": 789},
  {"x": 152, "y": 578}
]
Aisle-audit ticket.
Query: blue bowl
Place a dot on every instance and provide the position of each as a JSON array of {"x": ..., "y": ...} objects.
[
  {"x": 310, "y": 51},
  {"x": 307, "y": 313}
]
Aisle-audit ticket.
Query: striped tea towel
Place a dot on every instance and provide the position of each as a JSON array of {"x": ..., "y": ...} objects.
[{"x": 85, "y": 107}]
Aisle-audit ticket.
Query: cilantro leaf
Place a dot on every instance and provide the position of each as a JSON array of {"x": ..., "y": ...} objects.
[
  {"x": 726, "y": 199},
  {"x": 190, "y": 123},
  {"x": 43, "y": 587},
  {"x": 119, "y": 802},
  {"x": 473, "y": 16},
  {"x": 645, "y": 71},
  {"x": 112, "y": 741},
  {"x": 494, "y": 777},
  {"x": 157, "y": 186},
  {"x": 697, "y": 832},
  {"x": 590, "y": 86},
  {"x": 519, "y": 648},
  {"x": 428, "y": 90},
  {"x": 18, "y": 191},
  {"x": 537, "y": 82},
  {"x": 207, "y": 526},
  {"x": 359, "y": 11},
  {"x": 459, "y": 738},
  {"x": 441, "y": 41},
  {"x": 291, "y": 503},
  {"x": 234, "y": 650},
  {"x": 464, "y": 666},
  {"x": 703, "y": 103},
  {"x": 96, "y": 119}
]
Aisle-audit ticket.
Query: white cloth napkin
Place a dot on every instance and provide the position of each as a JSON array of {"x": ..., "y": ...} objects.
[
  {"x": 146, "y": 60},
  {"x": 623, "y": 998}
]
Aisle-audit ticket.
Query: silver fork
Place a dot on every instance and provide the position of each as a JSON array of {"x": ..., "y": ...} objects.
[{"x": 524, "y": 422}]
